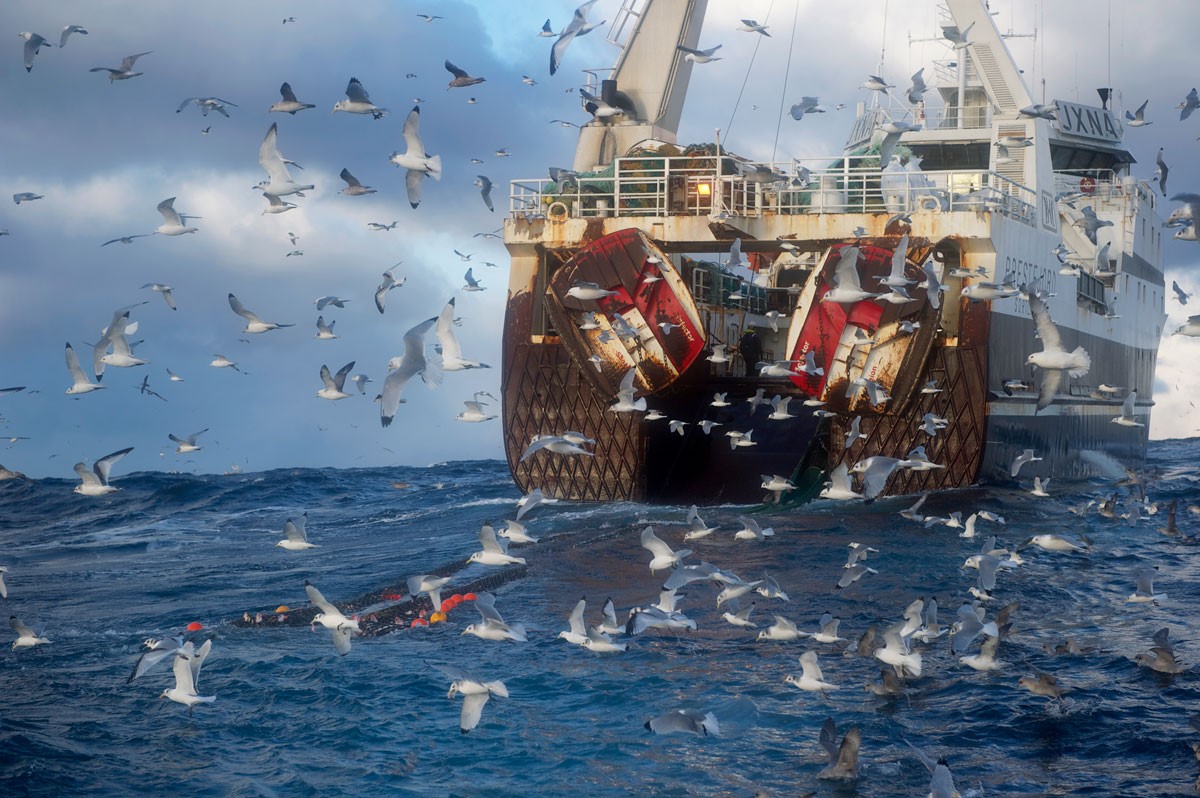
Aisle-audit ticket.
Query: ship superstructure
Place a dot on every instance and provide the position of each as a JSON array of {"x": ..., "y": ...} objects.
[{"x": 961, "y": 199}]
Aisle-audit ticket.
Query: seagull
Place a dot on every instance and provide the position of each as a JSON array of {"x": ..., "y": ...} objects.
[
  {"x": 578, "y": 26},
  {"x": 187, "y": 444},
  {"x": 1040, "y": 111},
  {"x": 876, "y": 83},
  {"x": 485, "y": 190},
  {"x": 296, "y": 537},
  {"x": 625, "y": 402},
  {"x": 125, "y": 71},
  {"x": 415, "y": 159},
  {"x": 1053, "y": 359},
  {"x": 1189, "y": 104},
  {"x": 452, "y": 359},
  {"x": 846, "y": 286},
  {"x": 546, "y": 32},
  {"x": 333, "y": 384},
  {"x": 494, "y": 551},
  {"x": 698, "y": 529},
  {"x": 126, "y": 240},
  {"x": 411, "y": 364},
  {"x": 472, "y": 283},
  {"x": 1039, "y": 487},
  {"x": 276, "y": 205},
  {"x": 387, "y": 285},
  {"x": 493, "y": 626},
  {"x": 254, "y": 324},
  {"x": 1044, "y": 685},
  {"x": 892, "y": 131},
  {"x": 875, "y": 472},
  {"x": 474, "y": 691},
  {"x": 473, "y": 413},
  {"x": 751, "y": 530},
  {"x": 279, "y": 181},
  {"x": 1144, "y": 594},
  {"x": 322, "y": 301},
  {"x": 172, "y": 221},
  {"x": 1126, "y": 418},
  {"x": 699, "y": 56},
  {"x": 187, "y": 670},
  {"x": 461, "y": 78},
  {"x": 918, "y": 87},
  {"x": 1138, "y": 117},
  {"x": 353, "y": 187},
  {"x": 222, "y": 362},
  {"x": 95, "y": 482},
  {"x": 28, "y": 196},
  {"x": 333, "y": 619},
  {"x": 896, "y": 652},
  {"x": 289, "y": 104},
  {"x": 1180, "y": 294},
  {"x": 430, "y": 18},
  {"x": 206, "y": 104},
  {"x": 812, "y": 679},
  {"x": 1162, "y": 657},
  {"x": 1161, "y": 172},
  {"x": 361, "y": 381},
  {"x": 325, "y": 331},
  {"x": 752, "y": 26},
  {"x": 33, "y": 43},
  {"x": 839, "y": 488},
  {"x": 1089, "y": 223},
  {"x": 807, "y": 105},
  {"x": 26, "y": 637},
  {"x": 569, "y": 443},
  {"x": 358, "y": 102},
  {"x": 782, "y": 630},
  {"x": 432, "y": 585},
  {"x": 664, "y": 557},
  {"x": 957, "y": 38},
  {"x": 597, "y": 107},
  {"x": 1027, "y": 456},
  {"x": 690, "y": 721},
  {"x": 379, "y": 226},
  {"x": 1055, "y": 543}
]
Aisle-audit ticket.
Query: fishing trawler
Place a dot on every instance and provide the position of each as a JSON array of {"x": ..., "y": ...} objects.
[{"x": 633, "y": 265}]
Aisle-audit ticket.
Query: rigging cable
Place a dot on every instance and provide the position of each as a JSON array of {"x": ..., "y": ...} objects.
[
  {"x": 786, "y": 74},
  {"x": 760, "y": 37}
]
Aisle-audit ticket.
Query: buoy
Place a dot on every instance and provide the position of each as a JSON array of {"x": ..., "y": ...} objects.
[
  {"x": 437, "y": 617},
  {"x": 283, "y": 608},
  {"x": 392, "y": 596},
  {"x": 418, "y": 622},
  {"x": 451, "y": 603},
  {"x": 469, "y": 596},
  {"x": 457, "y": 598},
  {"x": 195, "y": 626}
]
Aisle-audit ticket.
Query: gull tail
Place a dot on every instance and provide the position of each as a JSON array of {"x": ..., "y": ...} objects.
[
  {"x": 433, "y": 167},
  {"x": 497, "y": 688},
  {"x": 1082, "y": 362},
  {"x": 518, "y": 632}
]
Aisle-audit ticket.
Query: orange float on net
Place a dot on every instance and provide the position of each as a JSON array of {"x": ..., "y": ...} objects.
[
  {"x": 457, "y": 598},
  {"x": 418, "y": 622},
  {"x": 469, "y": 597},
  {"x": 437, "y": 617},
  {"x": 282, "y": 608},
  {"x": 195, "y": 626},
  {"x": 450, "y": 604}
]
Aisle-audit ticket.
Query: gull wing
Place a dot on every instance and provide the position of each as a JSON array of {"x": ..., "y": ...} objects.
[
  {"x": 1127, "y": 410},
  {"x": 1145, "y": 580},
  {"x": 898, "y": 259},
  {"x": 167, "y": 209},
  {"x": 240, "y": 309},
  {"x": 127, "y": 61},
  {"x": 184, "y": 681},
  {"x": 455, "y": 71},
  {"x": 151, "y": 658},
  {"x": 1045, "y": 327},
  {"x": 105, "y": 464},
  {"x": 655, "y": 544},
  {"x": 577, "y": 23},
  {"x": 609, "y": 613},
  {"x": 197, "y": 660},
  {"x": 575, "y": 619},
  {"x": 472, "y": 710},
  {"x": 318, "y": 601},
  {"x": 340, "y": 378},
  {"x": 412, "y": 132},
  {"x": 412, "y": 183},
  {"x": 1051, "y": 380},
  {"x": 350, "y": 179},
  {"x": 486, "y": 604},
  {"x": 32, "y": 45},
  {"x": 295, "y": 531},
  {"x": 341, "y": 639},
  {"x": 411, "y": 364},
  {"x": 286, "y": 92},
  {"x": 846, "y": 273},
  {"x": 485, "y": 190},
  {"x": 356, "y": 92},
  {"x": 538, "y": 445},
  {"x": 74, "y": 367},
  {"x": 445, "y": 333},
  {"x": 270, "y": 159},
  {"x": 87, "y": 476},
  {"x": 828, "y": 739},
  {"x": 489, "y": 541},
  {"x": 186, "y": 103}
]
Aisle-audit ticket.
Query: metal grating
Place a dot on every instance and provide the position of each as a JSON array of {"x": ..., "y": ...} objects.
[{"x": 989, "y": 68}]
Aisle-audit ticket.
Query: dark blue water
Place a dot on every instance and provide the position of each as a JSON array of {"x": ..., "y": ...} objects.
[{"x": 293, "y": 718}]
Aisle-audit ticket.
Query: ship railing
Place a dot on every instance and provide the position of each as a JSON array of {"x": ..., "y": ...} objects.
[
  {"x": 695, "y": 186},
  {"x": 938, "y": 117},
  {"x": 1098, "y": 183}
]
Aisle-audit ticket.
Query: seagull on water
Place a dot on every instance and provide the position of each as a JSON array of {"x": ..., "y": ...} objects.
[{"x": 187, "y": 672}]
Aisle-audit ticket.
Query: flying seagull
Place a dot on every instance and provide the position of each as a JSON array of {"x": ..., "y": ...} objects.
[
  {"x": 33, "y": 43},
  {"x": 461, "y": 78},
  {"x": 414, "y": 158},
  {"x": 353, "y": 187},
  {"x": 411, "y": 364},
  {"x": 289, "y": 104},
  {"x": 358, "y": 102},
  {"x": 125, "y": 71},
  {"x": 254, "y": 324},
  {"x": 279, "y": 180},
  {"x": 578, "y": 26}
]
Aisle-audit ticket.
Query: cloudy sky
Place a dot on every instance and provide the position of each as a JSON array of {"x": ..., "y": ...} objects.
[{"x": 105, "y": 154}]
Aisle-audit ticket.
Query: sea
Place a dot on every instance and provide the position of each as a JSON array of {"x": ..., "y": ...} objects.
[{"x": 293, "y": 718}]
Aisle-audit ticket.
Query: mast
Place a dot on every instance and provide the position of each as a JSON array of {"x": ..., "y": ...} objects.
[{"x": 649, "y": 79}]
